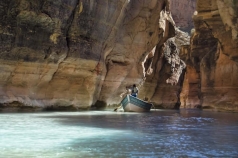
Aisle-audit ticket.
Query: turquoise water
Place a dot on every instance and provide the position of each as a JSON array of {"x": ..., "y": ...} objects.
[{"x": 184, "y": 133}]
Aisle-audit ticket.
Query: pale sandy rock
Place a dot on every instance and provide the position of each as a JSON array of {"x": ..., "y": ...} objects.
[
  {"x": 52, "y": 53},
  {"x": 42, "y": 85},
  {"x": 77, "y": 53},
  {"x": 125, "y": 63}
]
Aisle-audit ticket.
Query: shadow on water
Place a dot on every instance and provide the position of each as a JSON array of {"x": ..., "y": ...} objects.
[
  {"x": 109, "y": 119},
  {"x": 192, "y": 133},
  {"x": 152, "y": 122},
  {"x": 159, "y": 133}
]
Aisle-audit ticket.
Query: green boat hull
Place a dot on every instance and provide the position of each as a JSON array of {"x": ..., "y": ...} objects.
[{"x": 134, "y": 104}]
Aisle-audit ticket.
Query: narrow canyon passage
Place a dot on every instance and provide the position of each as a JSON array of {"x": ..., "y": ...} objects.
[{"x": 77, "y": 55}]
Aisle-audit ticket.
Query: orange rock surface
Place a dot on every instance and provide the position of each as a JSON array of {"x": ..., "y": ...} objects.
[{"x": 213, "y": 56}]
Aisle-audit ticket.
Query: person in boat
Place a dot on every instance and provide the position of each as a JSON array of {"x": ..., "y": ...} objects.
[
  {"x": 127, "y": 91},
  {"x": 134, "y": 91}
]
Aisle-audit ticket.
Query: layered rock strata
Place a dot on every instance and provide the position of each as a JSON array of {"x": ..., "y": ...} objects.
[
  {"x": 52, "y": 52},
  {"x": 212, "y": 76},
  {"x": 77, "y": 53}
]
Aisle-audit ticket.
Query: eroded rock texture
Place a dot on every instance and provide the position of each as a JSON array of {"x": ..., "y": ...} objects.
[
  {"x": 165, "y": 71},
  {"x": 212, "y": 76},
  {"x": 166, "y": 76},
  {"x": 77, "y": 53},
  {"x": 52, "y": 51},
  {"x": 82, "y": 53},
  {"x": 143, "y": 27},
  {"x": 182, "y": 11}
]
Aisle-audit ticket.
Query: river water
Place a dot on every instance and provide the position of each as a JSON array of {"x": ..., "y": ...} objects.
[{"x": 105, "y": 134}]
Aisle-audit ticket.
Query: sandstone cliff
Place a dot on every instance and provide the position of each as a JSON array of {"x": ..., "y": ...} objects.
[
  {"x": 77, "y": 53},
  {"x": 182, "y": 11},
  {"x": 211, "y": 79}
]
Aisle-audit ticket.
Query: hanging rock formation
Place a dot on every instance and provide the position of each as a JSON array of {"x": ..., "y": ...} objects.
[
  {"x": 177, "y": 65},
  {"x": 164, "y": 79}
]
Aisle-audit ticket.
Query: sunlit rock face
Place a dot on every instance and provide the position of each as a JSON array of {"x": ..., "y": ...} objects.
[
  {"x": 52, "y": 52},
  {"x": 164, "y": 77},
  {"x": 146, "y": 25},
  {"x": 213, "y": 57},
  {"x": 163, "y": 81},
  {"x": 182, "y": 11},
  {"x": 77, "y": 53}
]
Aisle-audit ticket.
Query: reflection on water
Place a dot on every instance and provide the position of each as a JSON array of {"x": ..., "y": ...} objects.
[{"x": 183, "y": 133}]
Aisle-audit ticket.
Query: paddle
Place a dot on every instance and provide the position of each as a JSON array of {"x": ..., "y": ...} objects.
[{"x": 117, "y": 108}]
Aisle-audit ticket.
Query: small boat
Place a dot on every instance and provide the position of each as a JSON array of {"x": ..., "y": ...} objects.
[{"x": 134, "y": 104}]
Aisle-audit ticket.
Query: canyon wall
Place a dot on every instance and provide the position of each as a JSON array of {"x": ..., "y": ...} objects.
[
  {"x": 211, "y": 79},
  {"x": 79, "y": 53},
  {"x": 182, "y": 11}
]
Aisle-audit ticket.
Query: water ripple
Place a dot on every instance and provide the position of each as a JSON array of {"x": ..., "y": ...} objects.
[{"x": 109, "y": 134}]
